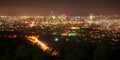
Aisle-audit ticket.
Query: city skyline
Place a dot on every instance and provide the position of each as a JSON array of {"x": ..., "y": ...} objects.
[
  {"x": 59, "y": 30},
  {"x": 70, "y": 7}
]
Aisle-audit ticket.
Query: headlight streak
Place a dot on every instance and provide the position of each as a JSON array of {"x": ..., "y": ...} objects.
[{"x": 42, "y": 45}]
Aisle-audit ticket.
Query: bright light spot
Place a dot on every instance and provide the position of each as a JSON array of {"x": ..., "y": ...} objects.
[
  {"x": 32, "y": 24},
  {"x": 53, "y": 17},
  {"x": 56, "y": 39},
  {"x": 75, "y": 27}
]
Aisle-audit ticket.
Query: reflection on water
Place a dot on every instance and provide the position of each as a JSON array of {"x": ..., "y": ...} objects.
[{"x": 34, "y": 39}]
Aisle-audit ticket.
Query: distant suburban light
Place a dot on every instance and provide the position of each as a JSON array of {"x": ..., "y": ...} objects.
[
  {"x": 72, "y": 34},
  {"x": 67, "y": 39}
]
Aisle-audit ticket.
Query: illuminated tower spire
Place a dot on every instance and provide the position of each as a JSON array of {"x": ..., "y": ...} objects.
[
  {"x": 51, "y": 12},
  {"x": 65, "y": 12},
  {"x": 91, "y": 16},
  {"x": 64, "y": 15}
]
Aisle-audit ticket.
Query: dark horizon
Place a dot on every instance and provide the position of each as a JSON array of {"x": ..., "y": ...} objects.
[{"x": 70, "y": 7}]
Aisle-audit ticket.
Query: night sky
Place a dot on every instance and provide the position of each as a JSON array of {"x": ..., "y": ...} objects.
[{"x": 70, "y": 7}]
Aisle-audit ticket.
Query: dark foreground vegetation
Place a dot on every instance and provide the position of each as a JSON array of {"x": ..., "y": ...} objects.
[{"x": 22, "y": 49}]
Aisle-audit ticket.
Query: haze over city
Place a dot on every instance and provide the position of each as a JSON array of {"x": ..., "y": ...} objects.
[{"x": 71, "y": 7}]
